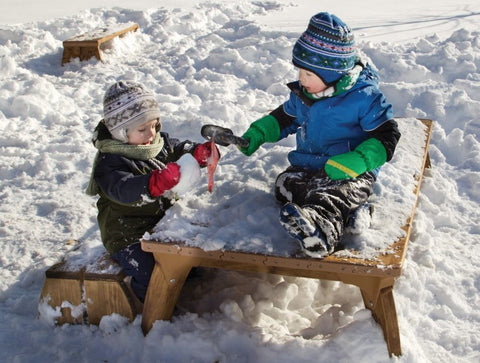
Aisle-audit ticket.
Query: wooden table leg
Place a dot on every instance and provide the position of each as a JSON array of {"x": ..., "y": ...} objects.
[
  {"x": 377, "y": 294},
  {"x": 168, "y": 277},
  {"x": 382, "y": 305},
  {"x": 386, "y": 314}
]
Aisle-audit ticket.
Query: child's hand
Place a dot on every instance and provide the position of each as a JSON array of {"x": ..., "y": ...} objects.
[
  {"x": 255, "y": 138},
  {"x": 261, "y": 131},
  {"x": 202, "y": 152},
  {"x": 367, "y": 156},
  {"x": 165, "y": 179},
  {"x": 345, "y": 166}
]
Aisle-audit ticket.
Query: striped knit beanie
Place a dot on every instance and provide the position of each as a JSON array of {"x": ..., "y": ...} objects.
[
  {"x": 326, "y": 48},
  {"x": 127, "y": 105}
]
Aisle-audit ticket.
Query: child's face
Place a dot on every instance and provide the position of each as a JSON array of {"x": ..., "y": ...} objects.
[
  {"x": 311, "y": 82},
  {"x": 143, "y": 134}
]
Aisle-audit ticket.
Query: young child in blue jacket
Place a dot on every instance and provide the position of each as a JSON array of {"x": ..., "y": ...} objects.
[
  {"x": 137, "y": 173},
  {"x": 344, "y": 132}
]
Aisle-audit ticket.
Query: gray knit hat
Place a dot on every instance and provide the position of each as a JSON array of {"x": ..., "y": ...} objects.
[{"x": 127, "y": 105}]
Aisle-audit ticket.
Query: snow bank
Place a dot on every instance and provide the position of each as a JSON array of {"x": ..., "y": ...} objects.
[{"x": 216, "y": 64}]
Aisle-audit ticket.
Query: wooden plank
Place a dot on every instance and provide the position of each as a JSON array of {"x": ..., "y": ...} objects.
[
  {"x": 64, "y": 270},
  {"x": 105, "y": 297},
  {"x": 99, "y": 35},
  {"x": 267, "y": 263},
  {"x": 106, "y": 291},
  {"x": 87, "y": 45},
  {"x": 98, "y": 285},
  {"x": 56, "y": 291},
  {"x": 104, "y": 268}
]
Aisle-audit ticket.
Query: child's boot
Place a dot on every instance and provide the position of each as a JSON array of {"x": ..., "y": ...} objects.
[
  {"x": 300, "y": 225},
  {"x": 360, "y": 220}
]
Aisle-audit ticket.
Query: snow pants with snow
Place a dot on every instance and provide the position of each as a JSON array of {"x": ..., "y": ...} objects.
[
  {"x": 139, "y": 265},
  {"x": 333, "y": 201}
]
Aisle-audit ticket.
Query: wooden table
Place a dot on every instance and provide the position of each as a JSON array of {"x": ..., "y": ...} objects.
[{"x": 375, "y": 278}]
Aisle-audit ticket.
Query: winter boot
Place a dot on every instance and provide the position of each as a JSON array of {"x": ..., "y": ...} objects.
[
  {"x": 360, "y": 219},
  {"x": 300, "y": 226}
]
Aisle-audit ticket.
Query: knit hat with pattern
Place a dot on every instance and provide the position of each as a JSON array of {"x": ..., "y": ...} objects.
[
  {"x": 326, "y": 48},
  {"x": 127, "y": 105}
]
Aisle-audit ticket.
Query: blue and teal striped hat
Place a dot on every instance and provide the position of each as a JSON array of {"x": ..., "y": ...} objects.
[{"x": 326, "y": 48}]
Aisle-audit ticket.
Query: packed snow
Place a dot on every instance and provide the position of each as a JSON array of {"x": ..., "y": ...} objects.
[
  {"x": 190, "y": 175},
  {"x": 227, "y": 63}
]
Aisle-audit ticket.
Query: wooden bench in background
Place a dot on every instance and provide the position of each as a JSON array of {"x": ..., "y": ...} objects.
[
  {"x": 87, "y": 292},
  {"x": 87, "y": 45},
  {"x": 375, "y": 278}
]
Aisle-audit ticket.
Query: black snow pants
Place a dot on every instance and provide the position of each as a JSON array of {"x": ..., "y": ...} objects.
[{"x": 332, "y": 200}]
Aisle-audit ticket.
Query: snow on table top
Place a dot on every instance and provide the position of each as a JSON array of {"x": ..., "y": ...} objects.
[
  {"x": 100, "y": 33},
  {"x": 242, "y": 213}
]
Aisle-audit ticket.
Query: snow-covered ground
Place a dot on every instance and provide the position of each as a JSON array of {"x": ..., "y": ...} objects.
[{"x": 227, "y": 63}]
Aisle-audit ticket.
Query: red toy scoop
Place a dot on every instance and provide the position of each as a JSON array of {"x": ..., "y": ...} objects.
[{"x": 212, "y": 164}]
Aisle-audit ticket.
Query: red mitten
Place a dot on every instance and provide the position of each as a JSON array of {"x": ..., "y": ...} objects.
[
  {"x": 164, "y": 179},
  {"x": 202, "y": 152}
]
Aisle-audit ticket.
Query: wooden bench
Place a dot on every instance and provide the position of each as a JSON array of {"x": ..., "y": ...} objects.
[
  {"x": 374, "y": 277},
  {"x": 86, "y": 292},
  {"x": 87, "y": 45}
]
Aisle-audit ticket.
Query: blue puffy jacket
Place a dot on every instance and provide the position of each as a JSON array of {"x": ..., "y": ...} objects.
[{"x": 334, "y": 125}]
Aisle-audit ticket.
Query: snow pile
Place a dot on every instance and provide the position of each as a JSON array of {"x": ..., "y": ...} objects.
[
  {"x": 190, "y": 175},
  {"x": 217, "y": 64}
]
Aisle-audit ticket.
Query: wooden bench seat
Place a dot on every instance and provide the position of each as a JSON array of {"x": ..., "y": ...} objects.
[
  {"x": 375, "y": 277},
  {"x": 88, "y": 291},
  {"x": 88, "y": 45}
]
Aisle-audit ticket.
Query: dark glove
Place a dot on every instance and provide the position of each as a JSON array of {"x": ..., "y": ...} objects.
[{"x": 165, "y": 179}]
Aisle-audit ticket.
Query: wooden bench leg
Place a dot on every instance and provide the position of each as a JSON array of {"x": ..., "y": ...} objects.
[
  {"x": 87, "y": 52},
  {"x": 168, "y": 277},
  {"x": 70, "y": 52},
  {"x": 98, "y": 54},
  {"x": 385, "y": 313}
]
